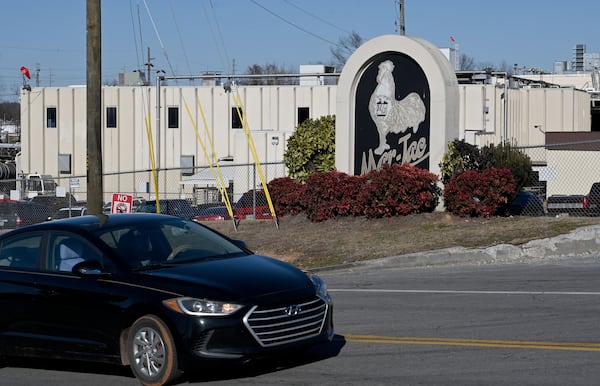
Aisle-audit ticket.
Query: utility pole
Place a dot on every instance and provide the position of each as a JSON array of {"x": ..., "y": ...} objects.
[
  {"x": 402, "y": 25},
  {"x": 149, "y": 65},
  {"x": 37, "y": 75},
  {"x": 94, "y": 107}
]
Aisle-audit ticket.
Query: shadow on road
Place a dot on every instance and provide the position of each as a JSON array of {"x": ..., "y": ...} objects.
[
  {"x": 73, "y": 366},
  {"x": 222, "y": 371},
  {"x": 216, "y": 371}
]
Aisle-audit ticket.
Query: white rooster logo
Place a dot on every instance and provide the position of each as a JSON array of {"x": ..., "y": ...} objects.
[{"x": 391, "y": 115}]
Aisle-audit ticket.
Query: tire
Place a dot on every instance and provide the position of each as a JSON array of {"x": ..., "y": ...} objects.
[{"x": 151, "y": 352}]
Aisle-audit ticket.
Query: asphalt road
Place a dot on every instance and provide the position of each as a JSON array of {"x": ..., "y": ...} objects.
[{"x": 513, "y": 324}]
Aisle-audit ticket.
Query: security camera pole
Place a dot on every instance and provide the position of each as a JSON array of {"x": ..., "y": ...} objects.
[{"x": 94, "y": 90}]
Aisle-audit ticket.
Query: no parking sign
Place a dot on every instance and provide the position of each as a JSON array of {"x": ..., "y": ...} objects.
[{"x": 121, "y": 203}]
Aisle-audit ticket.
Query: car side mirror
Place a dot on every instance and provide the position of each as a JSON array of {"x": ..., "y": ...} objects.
[
  {"x": 241, "y": 243},
  {"x": 88, "y": 267}
]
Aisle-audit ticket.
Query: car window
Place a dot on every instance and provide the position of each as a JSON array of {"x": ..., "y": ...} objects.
[
  {"x": 21, "y": 251},
  {"x": 147, "y": 208},
  {"x": 174, "y": 241},
  {"x": 65, "y": 250},
  {"x": 195, "y": 242},
  {"x": 140, "y": 247},
  {"x": 248, "y": 199}
]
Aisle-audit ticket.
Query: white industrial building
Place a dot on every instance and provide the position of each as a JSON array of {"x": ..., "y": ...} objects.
[{"x": 53, "y": 126}]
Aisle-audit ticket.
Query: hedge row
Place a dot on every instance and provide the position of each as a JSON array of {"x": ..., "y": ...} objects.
[
  {"x": 394, "y": 190},
  {"x": 391, "y": 191}
]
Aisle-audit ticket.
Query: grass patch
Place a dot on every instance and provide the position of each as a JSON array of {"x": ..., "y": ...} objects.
[{"x": 346, "y": 240}]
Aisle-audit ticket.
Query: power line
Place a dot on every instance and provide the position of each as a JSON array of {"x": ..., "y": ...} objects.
[
  {"x": 218, "y": 36},
  {"x": 296, "y": 26},
  {"x": 180, "y": 38},
  {"x": 159, "y": 39},
  {"x": 137, "y": 51},
  {"x": 318, "y": 17}
]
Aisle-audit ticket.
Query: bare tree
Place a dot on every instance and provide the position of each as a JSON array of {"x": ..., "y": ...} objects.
[
  {"x": 263, "y": 71},
  {"x": 505, "y": 67},
  {"x": 466, "y": 63},
  {"x": 10, "y": 111},
  {"x": 345, "y": 47}
]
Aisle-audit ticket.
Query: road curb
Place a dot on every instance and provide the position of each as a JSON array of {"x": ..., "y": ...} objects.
[{"x": 580, "y": 242}]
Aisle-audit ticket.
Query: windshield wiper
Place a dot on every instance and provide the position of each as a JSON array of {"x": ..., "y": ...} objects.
[{"x": 150, "y": 267}]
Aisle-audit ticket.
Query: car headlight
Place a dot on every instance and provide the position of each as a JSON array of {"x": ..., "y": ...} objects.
[
  {"x": 320, "y": 286},
  {"x": 201, "y": 307}
]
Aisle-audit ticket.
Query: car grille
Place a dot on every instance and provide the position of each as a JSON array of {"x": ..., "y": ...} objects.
[{"x": 285, "y": 324}]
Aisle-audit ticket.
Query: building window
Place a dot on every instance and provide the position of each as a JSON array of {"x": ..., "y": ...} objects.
[
  {"x": 236, "y": 121},
  {"x": 64, "y": 163},
  {"x": 173, "y": 117},
  {"x": 111, "y": 117},
  {"x": 187, "y": 165},
  {"x": 51, "y": 117},
  {"x": 303, "y": 114}
]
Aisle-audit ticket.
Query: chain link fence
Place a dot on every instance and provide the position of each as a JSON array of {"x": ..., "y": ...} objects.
[
  {"x": 186, "y": 192},
  {"x": 562, "y": 179},
  {"x": 563, "y": 175}
]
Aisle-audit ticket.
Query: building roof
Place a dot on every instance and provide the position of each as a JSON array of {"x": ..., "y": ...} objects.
[{"x": 578, "y": 140}]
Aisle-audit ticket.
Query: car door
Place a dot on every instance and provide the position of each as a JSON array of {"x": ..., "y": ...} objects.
[
  {"x": 79, "y": 313},
  {"x": 47, "y": 307},
  {"x": 20, "y": 295}
]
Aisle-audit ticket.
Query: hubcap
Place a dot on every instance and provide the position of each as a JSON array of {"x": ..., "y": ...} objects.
[{"x": 149, "y": 352}]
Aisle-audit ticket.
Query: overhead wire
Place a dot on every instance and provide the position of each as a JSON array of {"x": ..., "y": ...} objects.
[
  {"x": 147, "y": 118},
  {"x": 317, "y": 17},
  {"x": 212, "y": 161},
  {"x": 218, "y": 36},
  {"x": 135, "y": 37},
  {"x": 299, "y": 27},
  {"x": 180, "y": 37},
  {"x": 162, "y": 46},
  {"x": 237, "y": 99}
]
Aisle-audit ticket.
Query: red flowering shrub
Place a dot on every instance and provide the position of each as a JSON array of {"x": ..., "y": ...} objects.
[
  {"x": 331, "y": 194},
  {"x": 394, "y": 190},
  {"x": 477, "y": 193},
  {"x": 287, "y": 195},
  {"x": 398, "y": 190}
]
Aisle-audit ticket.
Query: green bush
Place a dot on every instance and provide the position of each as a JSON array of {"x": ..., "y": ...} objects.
[
  {"x": 506, "y": 156},
  {"x": 311, "y": 148},
  {"x": 462, "y": 156}
]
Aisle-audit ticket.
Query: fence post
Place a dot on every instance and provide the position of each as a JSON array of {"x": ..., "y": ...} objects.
[{"x": 254, "y": 190}]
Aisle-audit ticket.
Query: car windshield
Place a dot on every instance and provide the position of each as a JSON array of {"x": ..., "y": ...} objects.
[{"x": 167, "y": 242}]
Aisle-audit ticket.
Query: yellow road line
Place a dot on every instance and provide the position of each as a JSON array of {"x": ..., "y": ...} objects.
[{"x": 565, "y": 346}]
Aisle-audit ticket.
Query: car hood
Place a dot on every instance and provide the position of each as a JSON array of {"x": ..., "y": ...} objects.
[{"x": 255, "y": 277}]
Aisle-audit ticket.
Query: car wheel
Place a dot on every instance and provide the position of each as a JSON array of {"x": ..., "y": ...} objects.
[{"x": 152, "y": 353}]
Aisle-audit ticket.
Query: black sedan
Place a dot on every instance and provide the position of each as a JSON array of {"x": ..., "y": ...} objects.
[{"x": 155, "y": 292}]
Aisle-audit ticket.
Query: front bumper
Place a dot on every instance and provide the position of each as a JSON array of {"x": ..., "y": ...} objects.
[{"x": 258, "y": 331}]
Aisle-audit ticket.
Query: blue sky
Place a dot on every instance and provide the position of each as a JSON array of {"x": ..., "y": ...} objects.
[{"x": 194, "y": 36}]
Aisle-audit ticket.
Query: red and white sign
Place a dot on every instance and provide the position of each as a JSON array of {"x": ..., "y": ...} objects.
[{"x": 121, "y": 203}]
